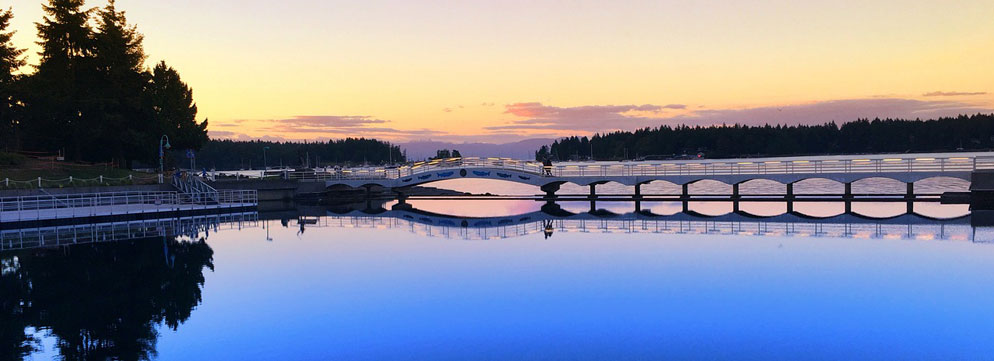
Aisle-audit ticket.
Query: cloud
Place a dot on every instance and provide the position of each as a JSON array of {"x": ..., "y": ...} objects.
[
  {"x": 447, "y": 110},
  {"x": 329, "y": 121},
  {"x": 312, "y": 127},
  {"x": 951, "y": 94},
  {"x": 826, "y": 111},
  {"x": 588, "y": 118},
  {"x": 601, "y": 118}
]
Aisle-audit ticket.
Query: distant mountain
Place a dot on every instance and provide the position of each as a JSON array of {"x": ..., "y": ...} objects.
[{"x": 524, "y": 149}]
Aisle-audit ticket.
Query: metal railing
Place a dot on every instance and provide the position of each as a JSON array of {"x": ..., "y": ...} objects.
[
  {"x": 677, "y": 168},
  {"x": 26, "y": 238},
  {"x": 39, "y": 207},
  {"x": 196, "y": 189}
]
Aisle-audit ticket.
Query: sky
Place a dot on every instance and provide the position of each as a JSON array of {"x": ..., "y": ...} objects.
[{"x": 502, "y": 71}]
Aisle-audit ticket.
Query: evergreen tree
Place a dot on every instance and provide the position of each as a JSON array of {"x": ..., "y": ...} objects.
[
  {"x": 57, "y": 91},
  {"x": 123, "y": 125},
  {"x": 174, "y": 110},
  {"x": 10, "y": 62}
]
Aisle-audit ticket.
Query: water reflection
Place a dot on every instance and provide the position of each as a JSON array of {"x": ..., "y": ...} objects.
[
  {"x": 360, "y": 281},
  {"x": 100, "y": 301}
]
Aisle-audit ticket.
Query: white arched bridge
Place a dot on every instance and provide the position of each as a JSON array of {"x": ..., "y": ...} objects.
[{"x": 842, "y": 169}]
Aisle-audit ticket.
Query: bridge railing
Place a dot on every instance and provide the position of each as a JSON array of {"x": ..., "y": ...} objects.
[
  {"x": 880, "y": 165},
  {"x": 734, "y": 167}
]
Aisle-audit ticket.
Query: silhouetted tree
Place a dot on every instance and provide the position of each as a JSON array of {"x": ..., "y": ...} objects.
[
  {"x": 123, "y": 125},
  {"x": 57, "y": 92},
  {"x": 174, "y": 110},
  {"x": 10, "y": 61}
]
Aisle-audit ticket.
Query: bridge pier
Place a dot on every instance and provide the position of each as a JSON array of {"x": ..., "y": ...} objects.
[
  {"x": 910, "y": 197},
  {"x": 735, "y": 198},
  {"x": 847, "y": 197},
  {"x": 550, "y": 190},
  {"x": 790, "y": 197},
  {"x": 638, "y": 198},
  {"x": 593, "y": 191}
]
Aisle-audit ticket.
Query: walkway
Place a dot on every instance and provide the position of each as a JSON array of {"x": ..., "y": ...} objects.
[
  {"x": 97, "y": 205},
  {"x": 908, "y": 169}
]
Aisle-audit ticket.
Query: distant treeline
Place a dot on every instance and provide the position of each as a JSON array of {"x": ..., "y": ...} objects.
[
  {"x": 91, "y": 96},
  {"x": 229, "y": 154},
  {"x": 861, "y": 136}
]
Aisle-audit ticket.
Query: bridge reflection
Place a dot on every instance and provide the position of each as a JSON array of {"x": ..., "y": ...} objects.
[
  {"x": 550, "y": 221},
  {"x": 553, "y": 219}
]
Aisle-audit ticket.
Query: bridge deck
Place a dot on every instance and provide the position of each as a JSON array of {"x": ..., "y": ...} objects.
[{"x": 784, "y": 170}]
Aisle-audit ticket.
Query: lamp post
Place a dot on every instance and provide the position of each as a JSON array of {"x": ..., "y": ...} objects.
[{"x": 163, "y": 145}]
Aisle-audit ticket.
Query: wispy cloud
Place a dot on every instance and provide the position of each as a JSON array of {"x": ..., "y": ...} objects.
[
  {"x": 318, "y": 127},
  {"x": 951, "y": 94},
  {"x": 600, "y": 118}
]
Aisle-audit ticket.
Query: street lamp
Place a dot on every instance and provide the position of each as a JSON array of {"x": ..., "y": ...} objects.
[{"x": 163, "y": 145}]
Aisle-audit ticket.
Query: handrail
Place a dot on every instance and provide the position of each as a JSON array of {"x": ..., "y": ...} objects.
[
  {"x": 654, "y": 168},
  {"x": 15, "y": 209}
]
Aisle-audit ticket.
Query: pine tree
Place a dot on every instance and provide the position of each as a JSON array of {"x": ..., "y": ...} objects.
[
  {"x": 58, "y": 118},
  {"x": 122, "y": 125},
  {"x": 174, "y": 111},
  {"x": 10, "y": 62}
]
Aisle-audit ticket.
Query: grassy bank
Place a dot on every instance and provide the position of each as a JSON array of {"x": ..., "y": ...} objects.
[{"x": 23, "y": 172}]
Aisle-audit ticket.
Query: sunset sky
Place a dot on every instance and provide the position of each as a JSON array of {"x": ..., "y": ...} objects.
[{"x": 508, "y": 70}]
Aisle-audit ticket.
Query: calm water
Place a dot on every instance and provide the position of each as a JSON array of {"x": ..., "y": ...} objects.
[{"x": 388, "y": 288}]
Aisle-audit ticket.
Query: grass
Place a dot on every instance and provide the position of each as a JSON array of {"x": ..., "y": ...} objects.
[{"x": 22, "y": 172}]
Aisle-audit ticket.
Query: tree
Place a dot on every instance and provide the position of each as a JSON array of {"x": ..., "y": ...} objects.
[
  {"x": 455, "y": 154},
  {"x": 119, "y": 58},
  {"x": 173, "y": 109},
  {"x": 543, "y": 153},
  {"x": 57, "y": 91},
  {"x": 442, "y": 154},
  {"x": 10, "y": 62}
]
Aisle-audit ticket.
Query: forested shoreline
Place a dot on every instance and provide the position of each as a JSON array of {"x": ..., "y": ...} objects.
[
  {"x": 228, "y": 154},
  {"x": 967, "y": 133}
]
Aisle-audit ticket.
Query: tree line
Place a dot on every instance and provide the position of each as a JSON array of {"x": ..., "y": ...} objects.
[
  {"x": 91, "y": 96},
  {"x": 975, "y": 132},
  {"x": 229, "y": 154}
]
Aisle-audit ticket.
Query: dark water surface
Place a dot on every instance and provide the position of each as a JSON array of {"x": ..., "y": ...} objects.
[{"x": 368, "y": 288}]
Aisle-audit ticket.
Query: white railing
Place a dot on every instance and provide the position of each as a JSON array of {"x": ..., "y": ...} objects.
[
  {"x": 25, "y": 238},
  {"x": 25, "y": 208},
  {"x": 196, "y": 190},
  {"x": 734, "y": 167}
]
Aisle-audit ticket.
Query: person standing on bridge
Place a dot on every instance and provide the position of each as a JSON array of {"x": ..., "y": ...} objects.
[{"x": 547, "y": 166}]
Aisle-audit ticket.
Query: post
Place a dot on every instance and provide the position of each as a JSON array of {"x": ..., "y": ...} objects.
[
  {"x": 790, "y": 197},
  {"x": 848, "y": 197},
  {"x": 593, "y": 192},
  {"x": 910, "y": 197},
  {"x": 735, "y": 198}
]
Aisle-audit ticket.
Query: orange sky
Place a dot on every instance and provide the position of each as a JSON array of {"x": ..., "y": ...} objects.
[{"x": 506, "y": 70}]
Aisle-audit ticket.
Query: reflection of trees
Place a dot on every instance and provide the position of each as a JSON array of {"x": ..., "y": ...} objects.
[{"x": 101, "y": 301}]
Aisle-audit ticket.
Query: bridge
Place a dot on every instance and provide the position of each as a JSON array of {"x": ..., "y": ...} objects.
[{"x": 843, "y": 169}]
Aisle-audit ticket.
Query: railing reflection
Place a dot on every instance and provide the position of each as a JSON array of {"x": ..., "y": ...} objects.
[
  {"x": 190, "y": 227},
  {"x": 469, "y": 230}
]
